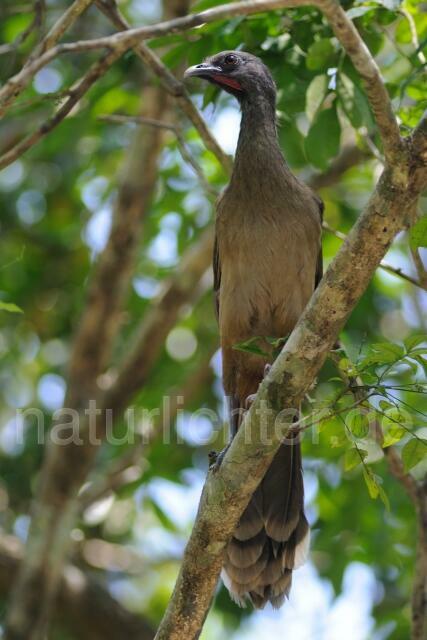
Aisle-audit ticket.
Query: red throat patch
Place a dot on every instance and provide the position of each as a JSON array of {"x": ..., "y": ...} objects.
[{"x": 230, "y": 82}]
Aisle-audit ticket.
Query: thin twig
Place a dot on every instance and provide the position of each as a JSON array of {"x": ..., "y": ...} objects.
[
  {"x": 182, "y": 145},
  {"x": 173, "y": 86},
  {"x": 75, "y": 94},
  {"x": 341, "y": 24},
  {"x": 414, "y": 36},
  {"x": 396, "y": 271},
  {"x": 35, "y": 25},
  {"x": 419, "y": 265}
]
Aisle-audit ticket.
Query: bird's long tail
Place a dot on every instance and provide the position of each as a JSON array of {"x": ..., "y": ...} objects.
[{"x": 273, "y": 535}]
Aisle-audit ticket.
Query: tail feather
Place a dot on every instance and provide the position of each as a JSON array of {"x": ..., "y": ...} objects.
[
  {"x": 272, "y": 537},
  {"x": 251, "y": 523},
  {"x": 244, "y": 553}
]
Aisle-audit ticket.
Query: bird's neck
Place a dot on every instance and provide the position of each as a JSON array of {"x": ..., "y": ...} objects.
[{"x": 258, "y": 150}]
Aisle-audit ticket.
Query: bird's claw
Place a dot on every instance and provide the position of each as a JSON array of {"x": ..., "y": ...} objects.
[
  {"x": 249, "y": 401},
  {"x": 216, "y": 458}
]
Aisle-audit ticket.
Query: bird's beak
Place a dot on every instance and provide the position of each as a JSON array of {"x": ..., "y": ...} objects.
[
  {"x": 215, "y": 74},
  {"x": 203, "y": 70}
]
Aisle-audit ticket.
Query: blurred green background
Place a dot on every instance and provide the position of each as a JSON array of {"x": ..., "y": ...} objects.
[{"x": 56, "y": 205}]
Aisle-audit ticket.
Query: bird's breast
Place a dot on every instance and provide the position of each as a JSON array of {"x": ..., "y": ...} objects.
[{"x": 267, "y": 274}]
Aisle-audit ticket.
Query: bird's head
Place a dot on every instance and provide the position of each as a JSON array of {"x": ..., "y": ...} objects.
[{"x": 243, "y": 75}]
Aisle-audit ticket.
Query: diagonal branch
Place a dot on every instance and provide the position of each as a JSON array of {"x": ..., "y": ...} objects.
[
  {"x": 368, "y": 70},
  {"x": 177, "y": 399},
  {"x": 227, "y": 492},
  {"x": 64, "y": 22},
  {"x": 74, "y": 96}
]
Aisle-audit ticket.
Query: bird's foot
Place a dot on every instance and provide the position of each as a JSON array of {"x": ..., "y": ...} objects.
[
  {"x": 216, "y": 458},
  {"x": 249, "y": 401}
]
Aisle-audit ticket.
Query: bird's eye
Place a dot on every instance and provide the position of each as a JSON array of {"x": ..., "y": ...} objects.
[{"x": 231, "y": 59}]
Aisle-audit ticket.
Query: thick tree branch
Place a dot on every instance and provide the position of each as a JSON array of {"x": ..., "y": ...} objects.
[
  {"x": 83, "y": 607},
  {"x": 227, "y": 492},
  {"x": 347, "y": 34}
]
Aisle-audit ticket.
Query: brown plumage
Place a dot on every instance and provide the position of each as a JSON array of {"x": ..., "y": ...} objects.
[{"x": 267, "y": 261}]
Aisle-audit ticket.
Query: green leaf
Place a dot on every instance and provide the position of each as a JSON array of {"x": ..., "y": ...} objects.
[
  {"x": 210, "y": 94},
  {"x": 395, "y": 423},
  {"x": 292, "y": 142},
  {"x": 353, "y": 102},
  {"x": 10, "y": 306},
  {"x": 320, "y": 55},
  {"x": 338, "y": 441},
  {"x": 251, "y": 346},
  {"x": 353, "y": 457},
  {"x": 383, "y": 497},
  {"x": 323, "y": 139},
  {"x": 316, "y": 93},
  {"x": 371, "y": 482},
  {"x": 387, "y": 352},
  {"x": 393, "y": 431},
  {"x": 358, "y": 423},
  {"x": 414, "y": 341},
  {"x": 418, "y": 233},
  {"x": 413, "y": 452}
]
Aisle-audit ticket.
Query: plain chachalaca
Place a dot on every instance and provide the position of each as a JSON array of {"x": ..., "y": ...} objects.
[{"x": 267, "y": 262}]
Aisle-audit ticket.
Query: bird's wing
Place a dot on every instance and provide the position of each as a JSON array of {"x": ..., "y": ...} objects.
[{"x": 217, "y": 275}]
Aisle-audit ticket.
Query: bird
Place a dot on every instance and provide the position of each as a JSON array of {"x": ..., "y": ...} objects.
[{"x": 267, "y": 262}]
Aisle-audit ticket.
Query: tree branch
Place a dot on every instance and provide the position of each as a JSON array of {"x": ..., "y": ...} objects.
[
  {"x": 74, "y": 96},
  {"x": 227, "y": 492},
  {"x": 343, "y": 27},
  {"x": 65, "y": 469},
  {"x": 173, "y": 86},
  {"x": 117, "y": 474},
  {"x": 124, "y": 40},
  {"x": 66, "y": 20},
  {"x": 181, "y": 288},
  {"x": 364, "y": 63},
  {"x": 84, "y": 607}
]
